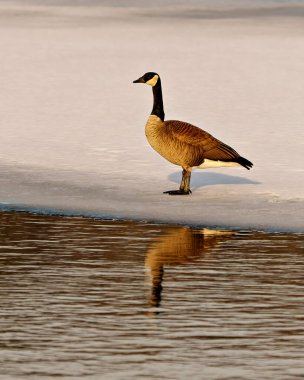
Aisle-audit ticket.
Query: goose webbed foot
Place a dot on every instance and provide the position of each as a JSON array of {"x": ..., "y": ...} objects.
[
  {"x": 178, "y": 192},
  {"x": 184, "y": 188}
]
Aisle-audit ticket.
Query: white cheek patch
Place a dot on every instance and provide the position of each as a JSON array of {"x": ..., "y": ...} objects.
[{"x": 152, "y": 82}]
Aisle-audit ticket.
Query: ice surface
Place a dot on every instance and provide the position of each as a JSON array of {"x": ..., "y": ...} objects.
[{"x": 72, "y": 121}]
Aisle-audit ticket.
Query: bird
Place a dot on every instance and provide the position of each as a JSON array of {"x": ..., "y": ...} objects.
[{"x": 182, "y": 143}]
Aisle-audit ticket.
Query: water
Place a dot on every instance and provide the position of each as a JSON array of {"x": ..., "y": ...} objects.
[{"x": 92, "y": 299}]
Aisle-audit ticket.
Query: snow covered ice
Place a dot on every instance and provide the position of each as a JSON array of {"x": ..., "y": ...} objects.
[{"x": 72, "y": 121}]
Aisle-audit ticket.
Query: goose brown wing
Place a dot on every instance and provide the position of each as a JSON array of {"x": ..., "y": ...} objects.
[
  {"x": 189, "y": 134},
  {"x": 208, "y": 146}
]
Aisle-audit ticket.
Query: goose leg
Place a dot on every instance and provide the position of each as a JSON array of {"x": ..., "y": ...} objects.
[{"x": 184, "y": 188}]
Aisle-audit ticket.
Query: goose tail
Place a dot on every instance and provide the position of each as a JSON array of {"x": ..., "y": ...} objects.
[{"x": 244, "y": 162}]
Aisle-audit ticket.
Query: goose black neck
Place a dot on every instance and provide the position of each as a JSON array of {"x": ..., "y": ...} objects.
[{"x": 158, "y": 107}]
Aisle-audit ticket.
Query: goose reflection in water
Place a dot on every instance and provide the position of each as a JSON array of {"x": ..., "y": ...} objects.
[{"x": 178, "y": 247}]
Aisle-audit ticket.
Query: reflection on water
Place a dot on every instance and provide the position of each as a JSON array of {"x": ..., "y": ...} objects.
[
  {"x": 221, "y": 304},
  {"x": 177, "y": 247}
]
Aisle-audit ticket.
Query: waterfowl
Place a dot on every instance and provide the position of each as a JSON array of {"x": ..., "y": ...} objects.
[{"x": 184, "y": 144}]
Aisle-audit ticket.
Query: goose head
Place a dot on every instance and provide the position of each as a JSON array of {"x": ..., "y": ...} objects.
[{"x": 148, "y": 78}]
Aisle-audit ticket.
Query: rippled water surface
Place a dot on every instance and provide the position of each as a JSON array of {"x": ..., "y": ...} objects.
[{"x": 92, "y": 299}]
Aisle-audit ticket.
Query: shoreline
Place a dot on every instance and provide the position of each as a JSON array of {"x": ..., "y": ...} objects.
[{"x": 50, "y": 211}]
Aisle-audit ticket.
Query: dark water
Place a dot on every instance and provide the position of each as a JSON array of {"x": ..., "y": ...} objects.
[{"x": 88, "y": 299}]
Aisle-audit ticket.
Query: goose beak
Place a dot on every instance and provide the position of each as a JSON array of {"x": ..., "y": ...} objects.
[{"x": 139, "y": 80}]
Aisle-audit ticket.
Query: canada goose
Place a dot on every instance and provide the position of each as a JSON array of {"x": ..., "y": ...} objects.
[{"x": 184, "y": 144}]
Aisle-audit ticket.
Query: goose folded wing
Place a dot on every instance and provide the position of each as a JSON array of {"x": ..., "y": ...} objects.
[
  {"x": 189, "y": 134},
  {"x": 210, "y": 147},
  {"x": 221, "y": 152}
]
